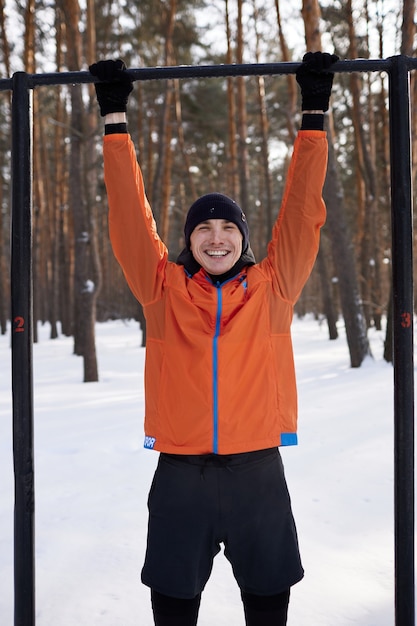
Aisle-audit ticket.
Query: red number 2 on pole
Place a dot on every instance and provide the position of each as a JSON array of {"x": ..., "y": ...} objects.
[{"x": 19, "y": 324}]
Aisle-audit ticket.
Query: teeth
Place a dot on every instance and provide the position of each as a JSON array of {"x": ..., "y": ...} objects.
[{"x": 217, "y": 252}]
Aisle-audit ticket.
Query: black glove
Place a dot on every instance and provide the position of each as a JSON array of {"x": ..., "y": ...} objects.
[
  {"x": 113, "y": 93},
  {"x": 315, "y": 80}
]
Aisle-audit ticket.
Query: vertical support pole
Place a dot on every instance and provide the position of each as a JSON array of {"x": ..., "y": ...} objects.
[
  {"x": 22, "y": 341},
  {"x": 402, "y": 277}
]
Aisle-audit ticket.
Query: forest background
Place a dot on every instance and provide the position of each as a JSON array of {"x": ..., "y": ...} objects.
[{"x": 233, "y": 135}]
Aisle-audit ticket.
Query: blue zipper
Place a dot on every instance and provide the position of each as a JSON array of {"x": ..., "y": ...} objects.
[
  {"x": 216, "y": 360},
  {"x": 216, "y": 372}
]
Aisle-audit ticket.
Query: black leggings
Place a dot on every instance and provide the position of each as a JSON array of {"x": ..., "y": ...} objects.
[
  {"x": 259, "y": 610},
  {"x": 266, "y": 610},
  {"x": 169, "y": 611}
]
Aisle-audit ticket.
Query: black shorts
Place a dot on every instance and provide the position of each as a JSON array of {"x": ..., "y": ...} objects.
[{"x": 198, "y": 502}]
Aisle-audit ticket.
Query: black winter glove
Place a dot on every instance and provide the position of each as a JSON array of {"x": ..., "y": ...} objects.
[
  {"x": 315, "y": 80},
  {"x": 113, "y": 93}
]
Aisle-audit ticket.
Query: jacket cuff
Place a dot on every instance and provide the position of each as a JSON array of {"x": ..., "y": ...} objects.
[
  {"x": 312, "y": 121},
  {"x": 115, "y": 129}
]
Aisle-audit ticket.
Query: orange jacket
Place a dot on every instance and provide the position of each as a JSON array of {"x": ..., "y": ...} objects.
[{"x": 219, "y": 373}]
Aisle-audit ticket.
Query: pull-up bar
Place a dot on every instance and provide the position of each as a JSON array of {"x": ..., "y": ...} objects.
[{"x": 398, "y": 69}]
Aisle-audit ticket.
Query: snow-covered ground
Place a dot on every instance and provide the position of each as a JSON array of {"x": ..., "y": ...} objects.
[{"x": 92, "y": 476}]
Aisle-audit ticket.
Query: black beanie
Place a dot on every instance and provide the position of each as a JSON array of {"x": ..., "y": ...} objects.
[{"x": 214, "y": 206}]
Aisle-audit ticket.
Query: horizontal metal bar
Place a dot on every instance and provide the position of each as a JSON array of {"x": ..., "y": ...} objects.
[
  {"x": 205, "y": 71},
  {"x": 6, "y": 84},
  {"x": 210, "y": 71}
]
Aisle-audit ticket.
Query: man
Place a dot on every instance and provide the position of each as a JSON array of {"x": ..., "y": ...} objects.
[{"x": 219, "y": 378}]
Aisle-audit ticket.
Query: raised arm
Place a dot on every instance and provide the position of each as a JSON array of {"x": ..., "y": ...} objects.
[
  {"x": 133, "y": 233},
  {"x": 296, "y": 233}
]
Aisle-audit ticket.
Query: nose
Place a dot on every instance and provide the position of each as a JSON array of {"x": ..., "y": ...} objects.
[{"x": 217, "y": 234}]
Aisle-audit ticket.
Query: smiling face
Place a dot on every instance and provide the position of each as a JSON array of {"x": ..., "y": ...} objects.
[{"x": 216, "y": 245}]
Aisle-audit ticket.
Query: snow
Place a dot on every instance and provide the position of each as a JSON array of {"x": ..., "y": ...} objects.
[
  {"x": 89, "y": 287},
  {"x": 92, "y": 476}
]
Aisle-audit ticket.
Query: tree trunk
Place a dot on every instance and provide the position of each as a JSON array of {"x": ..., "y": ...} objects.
[
  {"x": 57, "y": 176},
  {"x": 266, "y": 196},
  {"x": 84, "y": 286},
  {"x": 311, "y": 15},
  {"x": 181, "y": 140},
  {"x": 29, "y": 65},
  {"x": 242, "y": 130},
  {"x": 233, "y": 179},
  {"x": 344, "y": 262},
  {"x": 326, "y": 294},
  {"x": 408, "y": 27},
  {"x": 4, "y": 227},
  {"x": 90, "y": 169},
  {"x": 370, "y": 253},
  {"x": 342, "y": 251},
  {"x": 389, "y": 335},
  {"x": 162, "y": 180},
  {"x": 5, "y": 47},
  {"x": 63, "y": 261},
  {"x": 291, "y": 82},
  {"x": 4, "y": 286}
]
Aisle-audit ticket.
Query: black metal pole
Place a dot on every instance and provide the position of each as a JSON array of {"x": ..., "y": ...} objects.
[
  {"x": 402, "y": 278},
  {"x": 22, "y": 331}
]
